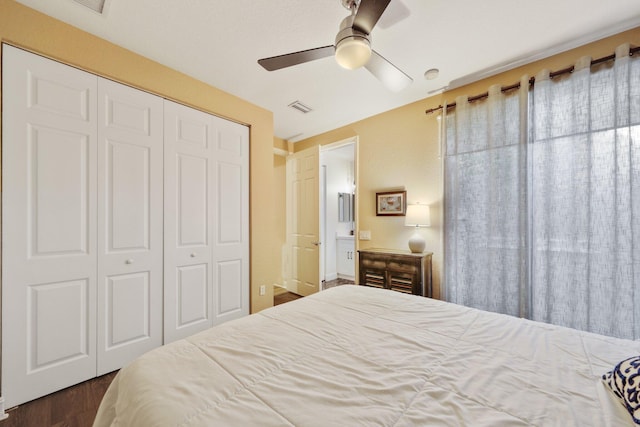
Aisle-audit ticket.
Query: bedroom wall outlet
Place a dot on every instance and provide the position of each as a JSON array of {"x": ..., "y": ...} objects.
[
  {"x": 365, "y": 235},
  {"x": 263, "y": 289}
]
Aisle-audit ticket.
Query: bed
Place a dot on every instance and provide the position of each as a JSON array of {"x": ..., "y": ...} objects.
[{"x": 359, "y": 356}]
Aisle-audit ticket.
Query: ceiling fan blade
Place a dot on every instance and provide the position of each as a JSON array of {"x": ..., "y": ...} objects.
[
  {"x": 390, "y": 75},
  {"x": 368, "y": 14},
  {"x": 289, "y": 59},
  {"x": 396, "y": 12}
]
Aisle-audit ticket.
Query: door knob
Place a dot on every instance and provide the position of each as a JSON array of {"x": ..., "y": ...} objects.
[
  {"x": 316, "y": 243},
  {"x": 192, "y": 254},
  {"x": 129, "y": 261}
]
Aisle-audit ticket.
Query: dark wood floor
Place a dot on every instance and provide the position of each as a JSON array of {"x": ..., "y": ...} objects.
[
  {"x": 282, "y": 298},
  {"x": 72, "y": 407},
  {"x": 337, "y": 282}
]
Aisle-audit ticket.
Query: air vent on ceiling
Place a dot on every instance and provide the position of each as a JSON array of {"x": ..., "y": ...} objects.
[
  {"x": 95, "y": 5},
  {"x": 297, "y": 105}
]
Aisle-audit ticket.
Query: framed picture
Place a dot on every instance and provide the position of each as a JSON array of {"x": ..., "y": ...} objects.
[{"x": 391, "y": 203}]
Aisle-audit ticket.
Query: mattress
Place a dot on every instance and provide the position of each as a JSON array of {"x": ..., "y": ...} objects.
[{"x": 359, "y": 356}]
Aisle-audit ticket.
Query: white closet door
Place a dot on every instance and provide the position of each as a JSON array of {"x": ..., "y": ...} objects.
[
  {"x": 189, "y": 219},
  {"x": 231, "y": 239},
  {"x": 130, "y": 219},
  {"x": 49, "y": 222}
]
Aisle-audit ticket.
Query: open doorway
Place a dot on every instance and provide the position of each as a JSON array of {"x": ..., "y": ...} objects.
[{"x": 338, "y": 213}]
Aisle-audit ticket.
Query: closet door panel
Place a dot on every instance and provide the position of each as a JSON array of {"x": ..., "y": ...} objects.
[
  {"x": 188, "y": 232},
  {"x": 56, "y": 337},
  {"x": 230, "y": 181},
  {"x": 48, "y": 223},
  {"x": 57, "y": 188},
  {"x": 231, "y": 249},
  {"x": 230, "y": 296},
  {"x": 128, "y": 309},
  {"x": 130, "y": 173},
  {"x": 192, "y": 223},
  {"x": 192, "y": 290}
]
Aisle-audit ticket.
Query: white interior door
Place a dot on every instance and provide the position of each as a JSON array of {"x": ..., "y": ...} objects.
[
  {"x": 303, "y": 225},
  {"x": 231, "y": 234},
  {"x": 48, "y": 222},
  {"x": 188, "y": 222},
  {"x": 82, "y": 220},
  {"x": 130, "y": 144}
]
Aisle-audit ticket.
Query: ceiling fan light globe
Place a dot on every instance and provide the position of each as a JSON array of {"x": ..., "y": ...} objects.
[{"x": 353, "y": 52}]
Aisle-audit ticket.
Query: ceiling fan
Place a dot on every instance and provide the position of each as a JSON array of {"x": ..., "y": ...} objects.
[{"x": 352, "y": 48}]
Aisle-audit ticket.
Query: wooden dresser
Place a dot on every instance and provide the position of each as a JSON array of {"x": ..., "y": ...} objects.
[{"x": 397, "y": 270}]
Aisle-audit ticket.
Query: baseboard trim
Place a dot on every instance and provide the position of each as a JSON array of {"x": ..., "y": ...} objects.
[{"x": 3, "y": 414}]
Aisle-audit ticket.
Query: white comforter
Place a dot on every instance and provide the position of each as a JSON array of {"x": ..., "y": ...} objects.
[{"x": 356, "y": 356}]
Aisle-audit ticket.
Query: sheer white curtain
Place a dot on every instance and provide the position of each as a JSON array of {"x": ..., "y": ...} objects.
[
  {"x": 485, "y": 198},
  {"x": 542, "y": 219},
  {"x": 585, "y": 222}
]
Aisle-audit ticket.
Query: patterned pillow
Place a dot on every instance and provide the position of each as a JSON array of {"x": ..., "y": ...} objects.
[{"x": 624, "y": 382}]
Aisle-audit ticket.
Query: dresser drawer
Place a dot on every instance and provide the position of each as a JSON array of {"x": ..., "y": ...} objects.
[
  {"x": 408, "y": 266},
  {"x": 400, "y": 271},
  {"x": 375, "y": 263}
]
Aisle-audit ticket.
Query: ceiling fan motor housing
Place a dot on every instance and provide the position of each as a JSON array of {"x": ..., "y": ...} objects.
[
  {"x": 350, "y": 4},
  {"x": 353, "y": 47}
]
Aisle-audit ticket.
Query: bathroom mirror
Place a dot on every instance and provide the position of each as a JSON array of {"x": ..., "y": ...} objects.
[{"x": 345, "y": 207}]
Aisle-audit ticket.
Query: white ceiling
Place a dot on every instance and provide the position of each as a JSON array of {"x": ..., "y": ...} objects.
[{"x": 219, "y": 43}]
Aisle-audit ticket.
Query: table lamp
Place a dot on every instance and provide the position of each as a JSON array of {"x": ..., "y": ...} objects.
[{"x": 417, "y": 216}]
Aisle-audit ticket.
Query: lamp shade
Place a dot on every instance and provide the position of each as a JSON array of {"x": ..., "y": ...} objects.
[
  {"x": 353, "y": 52},
  {"x": 418, "y": 216}
]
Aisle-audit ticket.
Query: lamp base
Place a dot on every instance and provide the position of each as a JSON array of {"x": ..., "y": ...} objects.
[{"x": 417, "y": 243}]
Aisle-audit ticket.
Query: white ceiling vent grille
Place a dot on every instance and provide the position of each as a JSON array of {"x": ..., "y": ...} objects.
[
  {"x": 95, "y": 5},
  {"x": 297, "y": 105}
]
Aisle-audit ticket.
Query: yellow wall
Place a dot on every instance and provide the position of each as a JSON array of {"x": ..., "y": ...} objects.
[
  {"x": 399, "y": 149},
  {"x": 26, "y": 28},
  {"x": 280, "y": 144},
  {"x": 396, "y": 150}
]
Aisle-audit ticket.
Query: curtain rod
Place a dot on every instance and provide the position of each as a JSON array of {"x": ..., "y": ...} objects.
[{"x": 532, "y": 80}]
